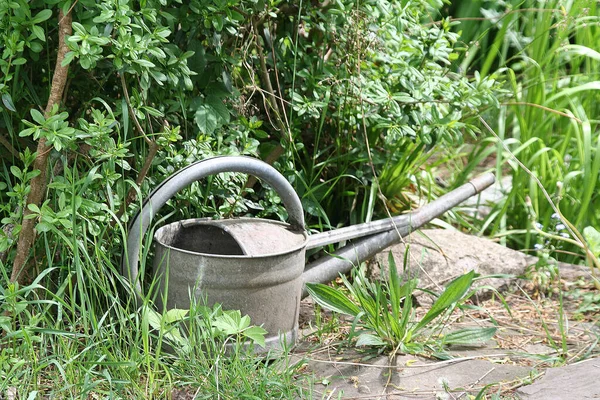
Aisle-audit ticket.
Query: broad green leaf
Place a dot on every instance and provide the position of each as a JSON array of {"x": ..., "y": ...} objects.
[
  {"x": 368, "y": 339},
  {"x": 68, "y": 58},
  {"x": 144, "y": 63},
  {"x": 37, "y": 116},
  {"x": 8, "y": 102},
  {"x": 173, "y": 315},
  {"x": 38, "y": 31},
  {"x": 455, "y": 290},
  {"x": 256, "y": 334},
  {"x": 592, "y": 237},
  {"x": 206, "y": 118},
  {"x": 42, "y": 16},
  {"x": 219, "y": 107},
  {"x": 470, "y": 336},
  {"x": 231, "y": 322},
  {"x": 153, "y": 318},
  {"x": 16, "y": 171},
  {"x": 331, "y": 299},
  {"x": 80, "y": 29}
]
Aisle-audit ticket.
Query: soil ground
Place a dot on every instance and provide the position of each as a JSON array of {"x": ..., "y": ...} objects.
[{"x": 530, "y": 340}]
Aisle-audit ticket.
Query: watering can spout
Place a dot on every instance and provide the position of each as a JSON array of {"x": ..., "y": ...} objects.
[{"x": 386, "y": 233}]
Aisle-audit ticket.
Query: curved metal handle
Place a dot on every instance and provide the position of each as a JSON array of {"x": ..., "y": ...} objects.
[{"x": 192, "y": 173}]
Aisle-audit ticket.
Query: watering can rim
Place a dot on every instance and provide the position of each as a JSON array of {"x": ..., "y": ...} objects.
[{"x": 293, "y": 249}]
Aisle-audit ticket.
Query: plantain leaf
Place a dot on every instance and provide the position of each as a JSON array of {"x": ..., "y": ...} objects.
[
  {"x": 332, "y": 299},
  {"x": 368, "y": 339},
  {"x": 470, "y": 336},
  {"x": 455, "y": 290}
]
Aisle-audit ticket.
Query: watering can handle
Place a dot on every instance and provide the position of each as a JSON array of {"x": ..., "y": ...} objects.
[{"x": 192, "y": 173}]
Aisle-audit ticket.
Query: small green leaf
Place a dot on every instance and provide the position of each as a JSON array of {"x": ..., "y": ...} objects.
[
  {"x": 33, "y": 208},
  {"x": 144, "y": 63},
  {"x": 368, "y": 339},
  {"x": 42, "y": 16},
  {"x": 68, "y": 58},
  {"x": 37, "y": 116},
  {"x": 256, "y": 334},
  {"x": 332, "y": 299},
  {"x": 470, "y": 336},
  {"x": 173, "y": 315},
  {"x": 38, "y": 32},
  {"x": 16, "y": 172},
  {"x": 43, "y": 227},
  {"x": 8, "y": 102}
]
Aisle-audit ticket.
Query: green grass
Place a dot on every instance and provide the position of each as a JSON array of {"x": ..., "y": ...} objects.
[
  {"x": 549, "y": 119},
  {"x": 75, "y": 333}
]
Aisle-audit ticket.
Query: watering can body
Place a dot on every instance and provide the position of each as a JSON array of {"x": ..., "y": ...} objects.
[
  {"x": 247, "y": 264},
  {"x": 253, "y": 265}
]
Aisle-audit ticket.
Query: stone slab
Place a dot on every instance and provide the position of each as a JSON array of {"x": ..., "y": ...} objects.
[
  {"x": 576, "y": 381},
  {"x": 440, "y": 255}
]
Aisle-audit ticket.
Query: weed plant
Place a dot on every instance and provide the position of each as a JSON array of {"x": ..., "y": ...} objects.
[{"x": 383, "y": 313}]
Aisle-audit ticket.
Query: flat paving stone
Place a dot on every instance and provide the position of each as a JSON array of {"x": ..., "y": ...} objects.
[
  {"x": 576, "y": 381},
  {"x": 410, "y": 377}
]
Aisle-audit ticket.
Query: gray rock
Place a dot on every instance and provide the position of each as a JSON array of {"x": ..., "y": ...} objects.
[
  {"x": 439, "y": 255},
  {"x": 576, "y": 381}
]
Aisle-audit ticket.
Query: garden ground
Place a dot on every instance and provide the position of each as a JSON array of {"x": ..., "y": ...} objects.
[{"x": 535, "y": 354}]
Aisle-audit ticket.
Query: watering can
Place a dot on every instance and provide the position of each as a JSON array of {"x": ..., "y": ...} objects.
[{"x": 256, "y": 265}]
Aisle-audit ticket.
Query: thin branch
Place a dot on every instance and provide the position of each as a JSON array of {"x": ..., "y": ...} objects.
[
  {"x": 4, "y": 141},
  {"x": 266, "y": 80},
  {"x": 39, "y": 184},
  {"x": 132, "y": 112}
]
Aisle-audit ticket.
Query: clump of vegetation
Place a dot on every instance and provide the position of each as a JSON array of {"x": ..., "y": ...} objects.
[
  {"x": 102, "y": 100},
  {"x": 383, "y": 312}
]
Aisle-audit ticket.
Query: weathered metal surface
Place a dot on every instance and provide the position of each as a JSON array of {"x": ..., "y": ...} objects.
[
  {"x": 261, "y": 279},
  {"x": 328, "y": 267},
  {"x": 194, "y": 172}
]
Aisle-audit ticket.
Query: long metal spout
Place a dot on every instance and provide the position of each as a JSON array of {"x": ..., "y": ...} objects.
[{"x": 328, "y": 268}]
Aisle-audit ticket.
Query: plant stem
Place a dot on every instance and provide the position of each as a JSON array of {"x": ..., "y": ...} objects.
[
  {"x": 152, "y": 151},
  {"x": 39, "y": 183}
]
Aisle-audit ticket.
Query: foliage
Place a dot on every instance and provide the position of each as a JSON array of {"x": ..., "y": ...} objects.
[
  {"x": 385, "y": 313},
  {"x": 548, "y": 122},
  {"x": 330, "y": 92},
  {"x": 376, "y": 100},
  {"x": 54, "y": 347}
]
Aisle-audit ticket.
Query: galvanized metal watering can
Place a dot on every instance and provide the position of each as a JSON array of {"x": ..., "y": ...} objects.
[{"x": 255, "y": 265}]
